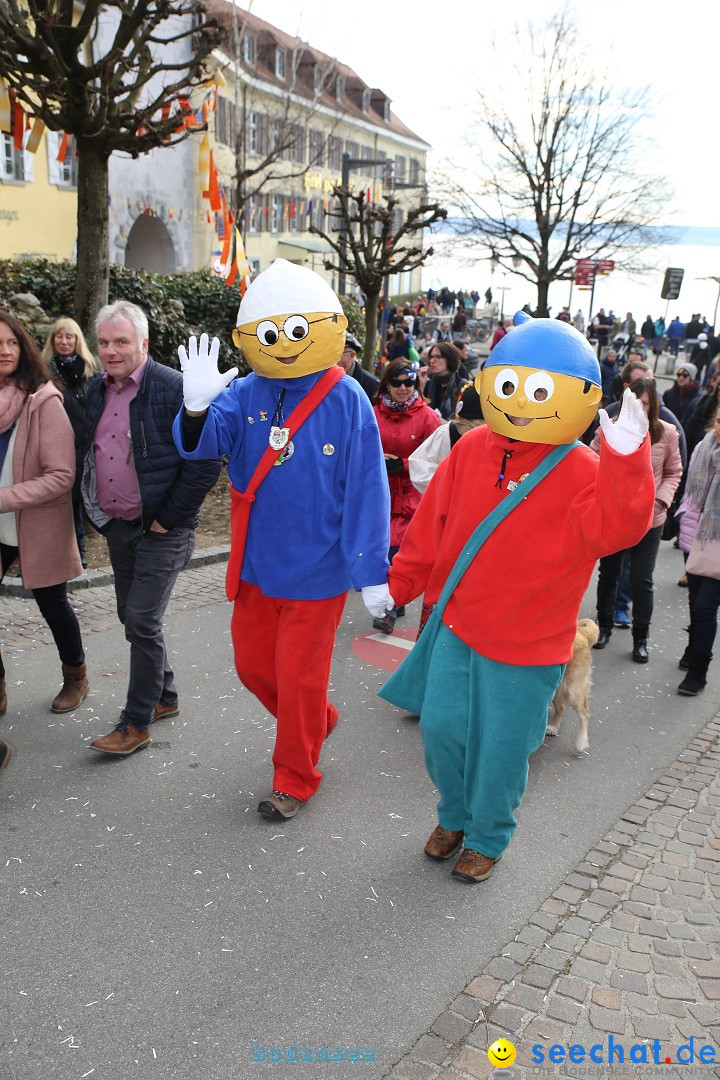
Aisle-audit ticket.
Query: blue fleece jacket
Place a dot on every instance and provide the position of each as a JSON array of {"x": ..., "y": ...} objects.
[{"x": 320, "y": 523}]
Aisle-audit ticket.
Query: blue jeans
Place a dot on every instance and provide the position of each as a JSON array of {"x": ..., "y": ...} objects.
[{"x": 146, "y": 566}]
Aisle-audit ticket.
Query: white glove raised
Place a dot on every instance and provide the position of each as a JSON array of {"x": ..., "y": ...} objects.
[
  {"x": 628, "y": 432},
  {"x": 202, "y": 382},
  {"x": 377, "y": 600}
]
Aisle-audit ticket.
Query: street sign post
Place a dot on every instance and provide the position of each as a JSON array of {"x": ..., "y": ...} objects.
[{"x": 672, "y": 283}]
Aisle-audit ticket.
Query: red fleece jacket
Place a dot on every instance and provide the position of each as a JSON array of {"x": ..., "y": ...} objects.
[{"x": 518, "y": 602}]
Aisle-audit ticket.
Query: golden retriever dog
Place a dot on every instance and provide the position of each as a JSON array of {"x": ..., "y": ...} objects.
[{"x": 575, "y": 686}]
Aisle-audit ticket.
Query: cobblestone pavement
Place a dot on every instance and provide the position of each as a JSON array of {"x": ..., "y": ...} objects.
[{"x": 627, "y": 947}]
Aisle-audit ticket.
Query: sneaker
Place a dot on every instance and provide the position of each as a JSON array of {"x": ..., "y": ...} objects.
[
  {"x": 386, "y": 624},
  {"x": 623, "y": 620},
  {"x": 279, "y": 806}
]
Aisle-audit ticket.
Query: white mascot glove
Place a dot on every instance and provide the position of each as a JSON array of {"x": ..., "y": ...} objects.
[
  {"x": 377, "y": 600},
  {"x": 202, "y": 382},
  {"x": 628, "y": 433}
]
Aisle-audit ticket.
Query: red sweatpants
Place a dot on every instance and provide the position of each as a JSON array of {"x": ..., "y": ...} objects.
[{"x": 283, "y": 652}]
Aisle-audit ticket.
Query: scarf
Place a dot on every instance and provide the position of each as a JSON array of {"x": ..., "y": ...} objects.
[
  {"x": 398, "y": 406},
  {"x": 71, "y": 369},
  {"x": 703, "y": 487},
  {"x": 12, "y": 400}
]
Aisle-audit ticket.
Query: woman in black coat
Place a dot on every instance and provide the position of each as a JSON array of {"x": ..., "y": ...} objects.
[{"x": 72, "y": 366}]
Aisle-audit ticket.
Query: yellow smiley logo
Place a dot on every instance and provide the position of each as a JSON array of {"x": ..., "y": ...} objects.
[{"x": 501, "y": 1053}]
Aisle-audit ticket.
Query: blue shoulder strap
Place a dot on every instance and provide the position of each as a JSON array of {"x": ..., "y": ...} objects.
[{"x": 501, "y": 511}]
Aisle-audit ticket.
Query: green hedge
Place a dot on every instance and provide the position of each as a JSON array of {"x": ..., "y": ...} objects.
[{"x": 209, "y": 305}]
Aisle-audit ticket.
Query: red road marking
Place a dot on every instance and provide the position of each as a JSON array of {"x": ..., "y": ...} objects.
[{"x": 386, "y": 651}]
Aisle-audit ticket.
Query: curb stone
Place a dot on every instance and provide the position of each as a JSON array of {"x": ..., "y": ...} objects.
[{"x": 104, "y": 576}]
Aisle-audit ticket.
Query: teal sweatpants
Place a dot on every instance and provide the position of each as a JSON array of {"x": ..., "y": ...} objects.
[{"x": 480, "y": 722}]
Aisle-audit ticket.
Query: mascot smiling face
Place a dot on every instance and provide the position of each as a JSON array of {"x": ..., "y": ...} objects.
[
  {"x": 541, "y": 382},
  {"x": 290, "y": 323}
]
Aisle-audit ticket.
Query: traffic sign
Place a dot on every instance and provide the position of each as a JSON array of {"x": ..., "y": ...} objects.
[
  {"x": 672, "y": 283},
  {"x": 584, "y": 273},
  {"x": 605, "y": 266}
]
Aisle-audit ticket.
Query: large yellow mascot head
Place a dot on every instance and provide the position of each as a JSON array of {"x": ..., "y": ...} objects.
[
  {"x": 290, "y": 323},
  {"x": 541, "y": 383}
]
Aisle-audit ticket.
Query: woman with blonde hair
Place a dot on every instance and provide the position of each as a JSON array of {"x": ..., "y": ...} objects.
[{"x": 72, "y": 366}]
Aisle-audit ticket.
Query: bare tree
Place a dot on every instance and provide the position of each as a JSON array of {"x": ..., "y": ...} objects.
[
  {"x": 374, "y": 241},
  {"x": 120, "y": 98},
  {"x": 563, "y": 177}
]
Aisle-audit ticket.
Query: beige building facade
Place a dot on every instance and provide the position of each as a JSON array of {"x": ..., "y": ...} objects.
[{"x": 285, "y": 117}]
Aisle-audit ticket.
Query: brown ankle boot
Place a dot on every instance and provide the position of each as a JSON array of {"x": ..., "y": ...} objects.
[
  {"x": 3, "y": 697},
  {"x": 75, "y": 687}
]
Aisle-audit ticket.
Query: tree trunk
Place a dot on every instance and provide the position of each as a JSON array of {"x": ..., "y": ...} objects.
[
  {"x": 93, "y": 257},
  {"x": 372, "y": 304},
  {"x": 542, "y": 299}
]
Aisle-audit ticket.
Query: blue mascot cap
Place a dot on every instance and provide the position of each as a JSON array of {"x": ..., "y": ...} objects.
[{"x": 548, "y": 345}]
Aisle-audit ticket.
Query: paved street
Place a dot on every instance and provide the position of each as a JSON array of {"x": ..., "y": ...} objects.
[{"x": 155, "y": 926}]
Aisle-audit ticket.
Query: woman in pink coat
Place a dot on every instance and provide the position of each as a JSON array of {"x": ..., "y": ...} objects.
[
  {"x": 667, "y": 473},
  {"x": 405, "y": 422},
  {"x": 37, "y": 469}
]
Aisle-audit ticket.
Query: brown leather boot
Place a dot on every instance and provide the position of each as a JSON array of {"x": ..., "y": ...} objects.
[
  {"x": 75, "y": 687},
  {"x": 3, "y": 697},
  {"x": 123, "y": 740}
]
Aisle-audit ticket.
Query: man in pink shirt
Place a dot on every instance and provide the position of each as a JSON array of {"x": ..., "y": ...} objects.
[{"x": 144, "y": 498}]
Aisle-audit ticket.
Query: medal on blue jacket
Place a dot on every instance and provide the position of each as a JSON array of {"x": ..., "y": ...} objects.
[{"x": 278, "y": 439}]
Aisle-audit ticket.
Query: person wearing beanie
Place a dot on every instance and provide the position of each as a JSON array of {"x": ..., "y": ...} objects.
[
  {"x": 487, "y": 665},
  {"x": 351, "y": 366},
  {"x": 310, "y": 514},
  {"x": 681, "y": 397}
]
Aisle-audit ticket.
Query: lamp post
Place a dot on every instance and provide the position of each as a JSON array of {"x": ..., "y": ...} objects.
[{"x": 502, "y": 289}]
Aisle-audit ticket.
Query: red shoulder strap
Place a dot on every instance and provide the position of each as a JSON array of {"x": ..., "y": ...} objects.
[{"x": 295, "y": 421}]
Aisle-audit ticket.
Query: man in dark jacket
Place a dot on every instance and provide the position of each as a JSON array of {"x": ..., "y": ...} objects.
[
  {"x": 144, "y": 498},
  {"x": 349, "y": 363}
]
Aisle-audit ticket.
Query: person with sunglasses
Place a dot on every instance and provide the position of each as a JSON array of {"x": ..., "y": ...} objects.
[
  {"x": 445, "y": 380},
  {"x": 405, "y": 422}
]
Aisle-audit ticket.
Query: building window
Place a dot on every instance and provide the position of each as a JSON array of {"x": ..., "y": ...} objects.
[
  {"x": 280, "y": 63},
  {"x": 367, "y": 155},
  {"x": 366, "y": 101},
  {"x": 226, "y": 121},
  {"x": 335, "y": 147},
  {"x": 68, "y": 175},
  {"x": 255, "y": 131},
  {"x": 380, "y": 169},
  {"x": 340, "y": 88},
  {"x": 400, "y": 166},
  {"x": 276, "y": 211},
  {"x": 13, "y": 167},
  {"x": 248, "y": 48},
  {"x": 414, "y": 171},
  {"x": 353, "y": 150},
  {"x": 252, "y": 211},
  {"x": 386, "y": 111},
  {"x": 317, "y": 148},
  {"x": 298, "y": 145},
  {"x": 318, "y": 78},
  {"x": 295, "y": 223},
  {"x": 279, "y": 139}
]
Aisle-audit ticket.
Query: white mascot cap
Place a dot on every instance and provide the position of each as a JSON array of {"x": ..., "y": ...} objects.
[{"x": 285, "y": 288}]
